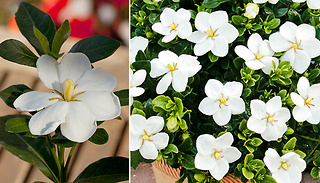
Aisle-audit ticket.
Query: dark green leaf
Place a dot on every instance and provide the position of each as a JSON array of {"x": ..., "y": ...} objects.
[
  {"x": 274, "y": 23},
  {"x": 107, "y": 170},
  {"x": 28, "y": 16},
  {"x": 99, "y": 137},
  {"x": 60, "y": 140},
  {"x": 10, "y": 94},
  {"x": 96, "y": 47},
  {"x": 212, "y": 57},
  {"x": 15, "y": 51},
  {"x": 18, "y": 124},
  {"x": 60, "y": 37},
  {"x": 213, "y": 4},
  {"x": 42, "y": 39},
  {"x": 123, "y": 96},
  {"x": 188, "y": 162}
]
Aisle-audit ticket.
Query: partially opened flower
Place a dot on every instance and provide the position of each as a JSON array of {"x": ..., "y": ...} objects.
[
  {"x": 264, "y": 1},
  {"x": 214, "y": 33},
  {"x": 299, "y": 43},
  {"x": 173, "y": 24},
  {"x": 176, "y": 70},
  {"x": 268, "y": 119},
  {"x": 80, "y": 97},
  {"x": 145, "y": 135},
  {"x": 136, "y": 44},
  {"x": 258, "y": 55},
  {"x": 222, "y": 100},
  {"x": 307, "y": 102},
  {"x": 215, "y": 154},
  {"x": 136, "y": 79},
  {"x": 312, "y": 4},
  {"x": 286, "y": 168},
  {"x": 252, "y": 10}
]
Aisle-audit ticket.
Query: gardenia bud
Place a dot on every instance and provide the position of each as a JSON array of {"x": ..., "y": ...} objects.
[{"x": 252, "y": 10}]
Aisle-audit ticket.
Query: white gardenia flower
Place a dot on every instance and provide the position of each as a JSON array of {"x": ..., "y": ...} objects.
[
  {"x": 173, "y": 24},
  {"x": 176, "y": 70},
  {"x": 136, "y": 44},
  {"x": 307, "y": 102},
  {"x": 264, "y": 1},
  {"x": 252, "y": 10},
  {"x": 213, "y": 33},
  {"x": 299, "y": 43},
  {"x": 312, "y": 4},
  {"x": 136, "y": 79},
  {"x": 284, "y": 169},
  {"x": 258, "y": 55},
  {"x": 145, "y": 135},
  {"x": 215, "y": 154},
  {"x": 80, "y": 97},
  {"x": 268, "y": 119},
  {"x": 222, "y": 100}
]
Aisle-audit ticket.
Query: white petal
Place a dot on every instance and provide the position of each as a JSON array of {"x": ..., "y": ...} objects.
[
  {"x": 273, "y": 1},
  {"x": 313, "y": 4},
  {"x": 154, "y": 125},
  {"x": 289, "y": 55},
  {"x": 167, "y": 57},
  {"x": 295, "y": 174},
  {"x": 301, "y": 62},
  {"x": 274, "y": 131},
  {"x": 229, "y": 32},
  {"x": 213, "y": 88},
  {"x": 138, "y": 77},
  {"x": 135, "y": 142},
  {"x": 96, "y": 80},
  {"x": 258, "y": 108},
  {"x": 161, "y": 29},
  {"x": 288, "y": 30},
  {"x": 204, "y": 162},
  {"x": 160, "y": 140},
  {"x": 73, "y": 66},
  {"x": 273, "y": 105},
  {"x": 231, "y": 154},
  {"x": 182, "y": 16},
  {"x": 80, "y": 124},
  {"x": 137, "y": 43},
  {"x": 157, "y": 68},
  {"x": 236, "y": 105},
  {"x": 305, "y": 32},
  {"x": 254, "y": 42},
  {"x": 208, "y": 106},
  {"x": 232, "y": 89},
  {"x": 256, "y": 124},
  {"x": 137, "y": 124},
  {"x": 220, "y": 47},
  {"x": 315, "y": 115},
  {"x": 272, "y": 160},
  {"x": 224, "y": 141},
  {"x": 167, "y": 16},
  {"x": 265, "y": 49},
  {"x": 298, "y": 162},
  {"x": 34, "y": 101},
  {"x": 202, "y": 21},
  {"x": 278, "y": 43},
  {"x": 268, "y": 62},
  {"x": 169, "y": 37},
  {"x": 47, "y": 68},
  {"x": 282, "y": 115},
  {"x": 184, "y": 30},
  {"x": 259, "y": 1},
  {"x": 148, "y": 150},
  {"x": 218, "y": 18},
  {"x": 189, "y": 64},
  {"x": 297, "y": 99},
  {"x": 203, "y": 47},
  {"x": 103, "y": 105},
  {"x": 205, "y": 144},
  {"x": 136, "y": 91},
  {"x": 179, "y": 80},
  {"x": 220, "y": 169},
  {"x": 282, "y": 176},
  {"x": 197, "y": 37},
  {"x": 255, "y": 64},
  {"x": 314, "y": 91},
  {"x": 301, "y": 114},
  {"x": 303, "y": 87},
  {"x": 47, "y": 120},
  {"x": 244, "y": 53},
  {"x": 310, "y": 47},
  {"x": 164, "y": 83},
  {"x": 222, "y": 116},
  {"x": 298, "y": 1}
]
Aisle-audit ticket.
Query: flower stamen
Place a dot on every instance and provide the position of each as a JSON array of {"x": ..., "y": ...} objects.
[
  {"x": 172, "y": 67},
  {"x": 308, "y": 101},
  {"x": 216, "y": 154},
  {"x": 284, "y": 165},
  {"x": 173, "y": 26},
  {"x": 295, "y": 45},
  {"x": 68, "y": 89},
  {"x": 259, "y": 56},
  {"x": 212, "y": 33},
  {"x": 145, "y": 137},
  {"x": 270, "y": 119},
  {"x": 223, "y": 100}
]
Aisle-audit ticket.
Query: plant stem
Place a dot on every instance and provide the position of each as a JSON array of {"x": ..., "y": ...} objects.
[
  {"x": 309, "y": 138},
  {"x": 313, "y": 150},
  {"x": 61, "y": 162},
  {"x": 54, "y": 153}
]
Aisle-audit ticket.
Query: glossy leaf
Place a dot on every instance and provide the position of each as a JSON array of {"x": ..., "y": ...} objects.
[
  {"x": 107, "y": 170},
  {"x": 42, "y": 39},
  {"x": 60, "y": 37},
  {"x": 15, "y": 51},
  {"x": 60, "y": 140},
  {"x": 18, "y": 124},
  {"x": 213, "y": 4},
  {"x": 99, "y": 137},
  {"x": 10, "y": 94},
  {"x": 28, "y": 16},
  {"x": 123, "y": 96},
  {"x": 96, "y": 47},
  {"x": 188, "y": 162}
]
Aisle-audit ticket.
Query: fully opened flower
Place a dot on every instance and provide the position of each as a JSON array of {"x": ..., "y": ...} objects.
[
  {"x": 268, "y": 119},
  {"x": 145, "y": 135},
  {"x": 80, "y": 97},
  {"x": 252, "y": 10},
  {"x": 286, "y": 168},
  {"x": 173, "y": 24},
  {"x": 214, "y": 33},
  {"x": 136, "y": 79},
  {"x": 215, "y": 154},
  {"x": 258, "y": 55},
  {"x": 299, "y": 43},
  {"x": 264, "y": 1},
  {"x": 222, "y": 100},
  {"x": 312, "y": 4},
  {"x": 176, "y": 70},
  {"x": 136, "y": 44},
  {"x": 307, "y": 102}
]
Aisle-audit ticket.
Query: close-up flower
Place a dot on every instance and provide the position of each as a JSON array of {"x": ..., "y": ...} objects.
[
  {"x": 299, "y": 43},
  {"x": 137, "y": 43},
  {"x": 222, "y": 101},
  {"x": 264, "y": 1},
  {"x": 252, "y": 10},
  {"x": 173, "y": 23},
  {"x": 284, "y": 169},
  {"x": 215, "y": 154},
  {"x": 145, "y": 135},
  {"x": 80, "y": 97},
  {"x": 307, "y": 102},
  {"x": 214, "y": 33},
  {"x": 268, "y": 119},
  {"x": 258, "y": 54},
  {"x": 312, "y": 4},
  {"x": 136, "y": 79},
  {"x": 176, "y": 70}
]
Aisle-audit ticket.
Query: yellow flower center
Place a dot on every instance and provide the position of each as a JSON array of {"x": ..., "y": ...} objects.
[
  {"x": 145, "y": 137},
  {"x": 216, "y": 154},
  {"x": 223, "y": 100},
  {"x": 270, "y": 119},
  {"x": 67, "y": 91},
  {"x": 211, "y": 33},
  {"x": 308, "y": 101},
  {"x": 295, "y": 45},
  {"x": 259, "y": 56},
  {"x": 173, "y": 26},
  {"x": 284, "y": 165}
]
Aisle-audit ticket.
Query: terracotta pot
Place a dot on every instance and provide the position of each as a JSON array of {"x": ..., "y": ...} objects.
[{"x": 166, "y": 174}]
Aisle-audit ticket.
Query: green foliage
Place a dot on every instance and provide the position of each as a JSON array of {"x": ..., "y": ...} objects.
[
  {"x": 123, "y": 96},
  {"x": 17, "y": 125},
  {"x": 60, "y": 37},
  {"x": 10, "y": 94},
  {"x": 100, "y": 137},
  {"x": 282, "y": 74}
]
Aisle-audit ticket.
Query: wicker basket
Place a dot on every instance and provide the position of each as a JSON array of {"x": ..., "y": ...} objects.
[{"x": 166, "y": 174}]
